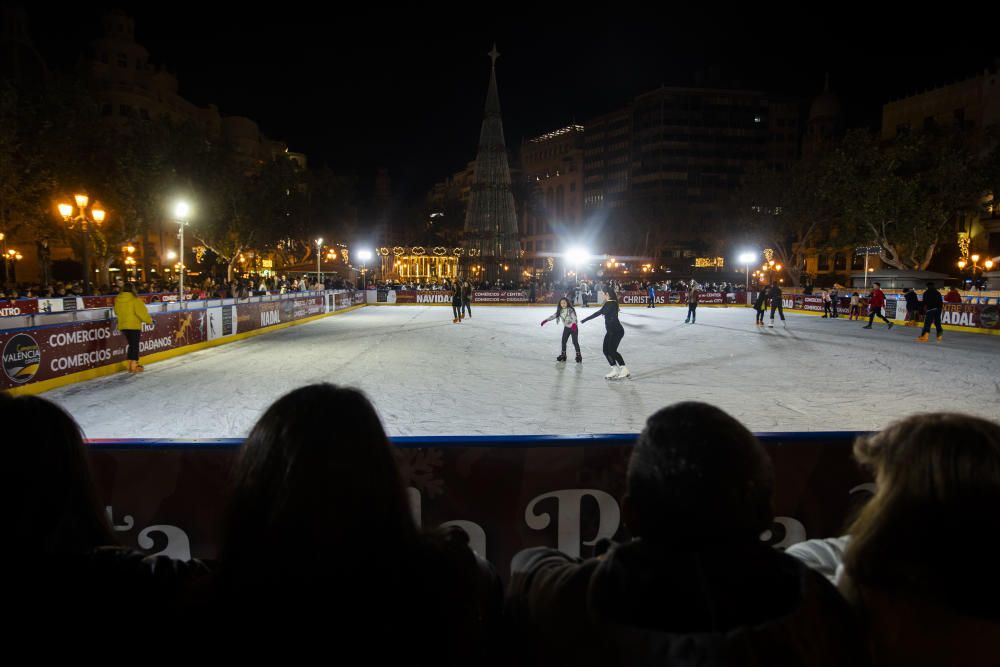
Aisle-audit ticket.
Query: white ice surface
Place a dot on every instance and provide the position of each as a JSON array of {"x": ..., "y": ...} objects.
[{"x": 496, "y": 374}]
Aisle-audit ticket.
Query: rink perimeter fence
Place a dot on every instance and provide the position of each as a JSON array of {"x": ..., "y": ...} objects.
[
  {"x": 507, "y": 492},
  {"x": 48, "y": 343}
]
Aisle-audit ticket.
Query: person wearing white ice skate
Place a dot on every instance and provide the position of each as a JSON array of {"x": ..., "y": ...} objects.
[
  {"x": 613, "y": 336},
  {"x": 567, "y": 315}
]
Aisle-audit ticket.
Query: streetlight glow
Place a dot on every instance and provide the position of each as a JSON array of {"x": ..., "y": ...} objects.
[
  {"x": 65, "y": 210},
  {"x": 577, "y": 255},
  {"x": 99, "y": 214},
  {"x": 748, "y": 257},
  {"x": 988, "y": 264},
  {"x": 181, "y": 210},
  {"x": 81, "y": 200},
  {"x": 364, "y": 255}
]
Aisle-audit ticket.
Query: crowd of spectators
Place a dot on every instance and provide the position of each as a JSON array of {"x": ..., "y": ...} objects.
[{"x": 319, "y": 551}]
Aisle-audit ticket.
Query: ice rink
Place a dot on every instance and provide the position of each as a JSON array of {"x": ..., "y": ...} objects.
[{"x": 496, "y": 374}]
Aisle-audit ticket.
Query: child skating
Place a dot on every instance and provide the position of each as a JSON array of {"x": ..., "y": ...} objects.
[{"x": 566, "y": 314}]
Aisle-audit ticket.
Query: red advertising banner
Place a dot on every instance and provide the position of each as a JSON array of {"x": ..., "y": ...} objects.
[
  {"x": 46, "y": 352},
  {"x": 972, "y": 315},
  {"x": 501, "y": 296},
  {"x": 507, "y": 496},
  {"x": 34, "y": 355},
  {"x": 632, "y": 298},
  {"x": 12, "y": 307}
]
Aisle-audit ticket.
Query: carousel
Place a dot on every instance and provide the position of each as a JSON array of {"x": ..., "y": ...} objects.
[{"x": 417, "y": 264}]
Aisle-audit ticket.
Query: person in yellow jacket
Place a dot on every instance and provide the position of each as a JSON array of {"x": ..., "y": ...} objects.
[{"x": 131, "y": 313}]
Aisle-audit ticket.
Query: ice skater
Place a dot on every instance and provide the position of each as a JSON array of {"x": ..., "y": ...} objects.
[
  {"x": 760, "y": 305},
  {"x": 613, "y": 336},
  {"x": 876, "y": 302},
  {"x": 692, "y": 303},
  {"x": 775, "y": 295},
  {"x": 933, "y": 304},
  {"x": 651, "y": 291},
  {"x": 467, "y": 299},
  {"x": 456, "y": 304},
  {"x": 566, "y": 314},
  {"x": 855, "y": 306}
]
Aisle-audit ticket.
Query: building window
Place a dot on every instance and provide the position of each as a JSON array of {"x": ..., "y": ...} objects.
[
  {"x": 840, "y": 262},
  {"x": 104, "y": 57},
  {"x": 106, "y": 110},
  {"x": 126, "y": 110},
  {"x": 822, "y": 262},
  {"x": 122, "y": 60},
  {"x": 144, "y": 114},
  {"x": 572, "y": 187}
]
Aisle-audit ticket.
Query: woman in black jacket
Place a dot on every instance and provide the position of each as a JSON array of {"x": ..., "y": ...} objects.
[{"x": 613, "y": 336}]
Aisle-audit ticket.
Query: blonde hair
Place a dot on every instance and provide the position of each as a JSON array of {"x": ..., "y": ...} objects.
[{"x": 930, "y": 530}]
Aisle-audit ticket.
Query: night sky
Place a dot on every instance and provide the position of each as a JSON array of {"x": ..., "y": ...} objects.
[{"x": 361, "y": 91}]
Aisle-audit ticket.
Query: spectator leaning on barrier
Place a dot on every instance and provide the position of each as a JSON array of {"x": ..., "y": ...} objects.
[
  {"x": 921, "y": 566},
  {"x": 952, "y": 296},
  {"x": 696, "y": 585},
  {"x": 320, "y": 541},
  {"x": 63, "y": 562}
]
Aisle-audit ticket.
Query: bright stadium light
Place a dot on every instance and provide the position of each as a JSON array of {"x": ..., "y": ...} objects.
[
  {"x": 746, "y": 258},
  {"x": 577, "y": 255},
  {"x": 364, "y": 255}
]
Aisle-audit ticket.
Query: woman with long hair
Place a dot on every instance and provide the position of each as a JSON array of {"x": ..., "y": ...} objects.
[
  {"x": 921, "y": 563},
  {"x": 566, "y": 314},
  {"x": 68, "y": 568},
  {"x": 614, "y": 332},
  {"x": 319, "y": 515}
]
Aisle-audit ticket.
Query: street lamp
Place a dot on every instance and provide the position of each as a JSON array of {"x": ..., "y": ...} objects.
[
  {"x": 745, "y": 259},
  {"x": 129, "y": 261},
  {"x": 577, "y": 256},
  {"x": 181, "y": 212},
  {"x": 987, "y": 265},
  {"x": 364, "y": 256},
  {"x": 319, "y": 257},
  {"x": 84, "y": 216},
  {"x": 9, "y": 258}
]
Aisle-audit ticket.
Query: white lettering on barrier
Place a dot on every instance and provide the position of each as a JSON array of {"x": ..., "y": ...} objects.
[
  {"x": 178, "y": 545},
  {"x": 433, "y": 298},
  {"x": 962, "y": 319},
  {"x": 79, "y": 336},
  {"x": 568, "y": 517},
  {"x": 9, "y": 311},
  {"x": 477, "y": 536},
  {"x": 795, "y": 532},
  {"x": 79, "y": 360},
  {"x": 269, "y": 317},
  {"x": 155, "y": 344}
]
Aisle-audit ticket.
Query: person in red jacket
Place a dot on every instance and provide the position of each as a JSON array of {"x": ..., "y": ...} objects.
[
  {"x": 953, "y": 296},
  {"x": 876, "y": 302}
]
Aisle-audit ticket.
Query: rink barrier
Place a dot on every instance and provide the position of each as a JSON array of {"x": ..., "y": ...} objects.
[
  {"x": 979, "y": 318},
  {"x": 508, "y": 492},
  {"x": 37, "y": 359}
]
